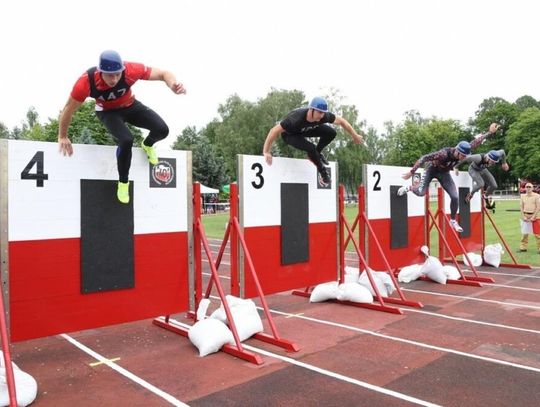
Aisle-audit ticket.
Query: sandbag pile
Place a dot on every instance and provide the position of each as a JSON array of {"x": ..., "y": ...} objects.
[
  {"x": 355, "y": 288},
  {"x": 210, "y": 334},
  {"x": 25, "y": 385}
]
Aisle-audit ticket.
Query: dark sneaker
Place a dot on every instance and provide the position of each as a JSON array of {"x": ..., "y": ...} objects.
[
  {"x": 323, "y": 159},
  {"x": 325, "y": 178}
]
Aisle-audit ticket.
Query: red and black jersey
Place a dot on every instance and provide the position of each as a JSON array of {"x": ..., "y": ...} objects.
[{"x": 90, "y": 84}]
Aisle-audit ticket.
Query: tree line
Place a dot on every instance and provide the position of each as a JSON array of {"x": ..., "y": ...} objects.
[{"x": 241, "y": 128}]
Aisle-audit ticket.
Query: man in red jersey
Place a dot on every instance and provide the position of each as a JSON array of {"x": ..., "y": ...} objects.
[{"x": 110, "y": 85}]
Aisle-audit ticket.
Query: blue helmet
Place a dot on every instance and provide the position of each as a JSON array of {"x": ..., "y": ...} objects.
[
  {"x": 494, "y": 156},
  {"x": 464, "y": 147},
  {"x": 319, "y": 103},
  {"x": 110, "y": 62}
]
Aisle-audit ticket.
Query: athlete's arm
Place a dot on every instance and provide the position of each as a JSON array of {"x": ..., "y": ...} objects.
[
  {"x": 64, "y": 144},
  {"x": 349, "y": 129},
  {"x": 160, "y": 75},
  {"x": 272, "y": 136}
]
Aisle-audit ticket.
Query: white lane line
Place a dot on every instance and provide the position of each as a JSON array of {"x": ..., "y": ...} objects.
[
  {"x": 331, "y": 374},
  {"x": 512, "y": 286},
  {"x": 209, "y": 274},
  {"x": 508, "y": 274},
  {"x": 205, "y": 260},
  {"x": 410, "y": 342},
  {"x": 510, "y": 304},
  {"x": 472, "y": 321},
  {"x": 174, "y": 401}
]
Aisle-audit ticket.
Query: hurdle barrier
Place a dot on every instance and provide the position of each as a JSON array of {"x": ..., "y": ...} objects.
[
  {"x": 362, "y": 220},
  {"x": 472, "y": 218},
  {"x": 402, "y": 224},
  {"x": 233, "y": 235},
  {"x": 75, "y": 258},
  {"x": 289, "y": 221}
]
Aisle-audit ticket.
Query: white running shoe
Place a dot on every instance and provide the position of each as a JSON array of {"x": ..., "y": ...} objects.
[
  {"x": 403, "y": 190},
  {"x": 456, "y": 226}
]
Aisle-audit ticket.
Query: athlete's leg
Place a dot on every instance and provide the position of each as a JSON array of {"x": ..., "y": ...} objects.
[
  {"x": 489, "y": 180},
  {"x": 447, "y": 183},
  {"x": 301, "y": 143},
  {"x": 114, "y": 123},
  {"x": 142, "y": 116},
  {"x": 477, "y": 180},
  {"x": 423, "y": 186}
]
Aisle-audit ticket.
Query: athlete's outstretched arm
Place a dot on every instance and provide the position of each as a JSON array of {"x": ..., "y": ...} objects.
[
  {"x": 272, "y": 136},
  {"x": 64, "y": 144},
  {"x": 167, "y": 77},
  {"x": 349, "y": 129}
]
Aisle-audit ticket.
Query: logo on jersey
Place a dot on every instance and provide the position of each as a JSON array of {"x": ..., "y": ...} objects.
[{"x": 163, "y": 174}]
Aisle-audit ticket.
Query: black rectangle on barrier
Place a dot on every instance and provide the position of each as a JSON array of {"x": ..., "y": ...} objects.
[
  {"x": 106, "y": 238},
  {"x": 294, "y": 223},
  {"x": 464, "y": 212},
  {"x": 399, "y": 224}
]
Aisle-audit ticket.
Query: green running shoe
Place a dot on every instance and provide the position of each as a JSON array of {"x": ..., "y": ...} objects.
[
  {"x": 151, "y": 153},
  {"x": 123, "y": 192}
]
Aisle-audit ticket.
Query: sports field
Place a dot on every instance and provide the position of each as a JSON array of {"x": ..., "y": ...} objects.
[{"x": 506, "y": 217}]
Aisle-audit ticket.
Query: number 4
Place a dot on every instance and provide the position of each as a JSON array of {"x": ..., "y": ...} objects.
[{"x": 39, "y": 175}]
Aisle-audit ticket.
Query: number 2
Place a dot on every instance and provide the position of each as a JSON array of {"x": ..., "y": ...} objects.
[
  {"x": 39, "y": 175},
  {"x": 377, "y": 175}
]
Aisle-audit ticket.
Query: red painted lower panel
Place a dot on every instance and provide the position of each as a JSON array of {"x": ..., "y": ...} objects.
[
  {"x": 45, "y": 286},
  {"x": 473, "y": 243},
  {"x": 396, "y": 257},
  {"x": 264, "y": 245}
]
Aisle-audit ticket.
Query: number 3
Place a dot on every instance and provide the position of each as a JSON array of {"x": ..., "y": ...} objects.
[{"x": 258, "y": 174}]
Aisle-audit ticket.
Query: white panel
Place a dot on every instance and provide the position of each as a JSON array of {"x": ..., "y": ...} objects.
[
  {"x": 53, "y": 211},
  {"x": 262, "y": 206},
  {"x": 464, "y": 180},
  {"x": 378, "y": 180}
]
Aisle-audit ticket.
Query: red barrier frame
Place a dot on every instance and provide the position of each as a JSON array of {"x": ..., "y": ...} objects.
[{"x": 234, "y": 232}]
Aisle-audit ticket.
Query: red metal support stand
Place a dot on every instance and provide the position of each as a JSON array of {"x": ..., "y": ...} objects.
[
  {"x": 515, "y": 264},
  {"x": 233, "y": 232},
  {"x": 6, "y": 353},
  {"x": 441, "y": 222}
]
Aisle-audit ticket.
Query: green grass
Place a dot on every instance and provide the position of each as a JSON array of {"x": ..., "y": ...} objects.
[{"x": 505, "y": 217}]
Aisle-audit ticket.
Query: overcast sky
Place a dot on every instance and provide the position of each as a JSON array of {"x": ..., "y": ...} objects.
[{"x": 441, "y": 58}]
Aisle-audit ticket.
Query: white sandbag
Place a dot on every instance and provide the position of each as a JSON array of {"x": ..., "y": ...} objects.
[
  {"x": 351, "y": 274},
  {"x": 209, "y": 335},
  {"x": 203, "y": 307},
  {"x": 476, "y": 259},
  {"x": 324, "y": 292},
  {"x": 364, "y": 280},
  {"x": 451, "y": 272},
  {"x": 410, "y": 273},
  {"x": 492, "y": 254},
  {"x": 387, "y": 281},
  {"x": 354, "y": 292},
  {"x": 25, "y": 385},
  {"x": 526, "y": 227},
  {"x": 245, "y": 315},
  {"x": 433, "y": 269}
]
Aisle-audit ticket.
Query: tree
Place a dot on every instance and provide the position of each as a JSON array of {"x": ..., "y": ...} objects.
[
  {"x": 523, "y": 142},
  {"x": 208, "y": 167},
  {"x": 4, "y": 131}
]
